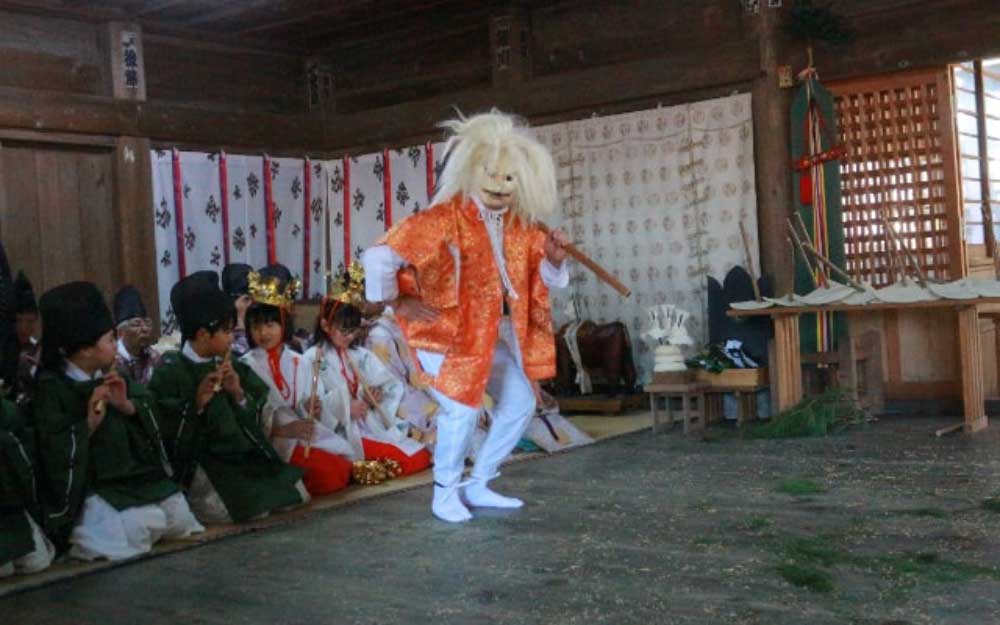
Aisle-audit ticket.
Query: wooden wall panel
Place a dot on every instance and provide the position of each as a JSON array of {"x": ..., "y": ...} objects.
[
  {"x": 19, "y": 223},
  {"x": 59, "y": 217},
  {"x": 56, "y": 221},
  {"x": 217, "y": 78},
  {"x": 573, "y": 36},
  {"x": 53, "y": 54},
  {"x": 98, "y": 228}
]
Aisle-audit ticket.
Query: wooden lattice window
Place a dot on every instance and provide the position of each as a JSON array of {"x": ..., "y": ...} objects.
[{"x": 901, "y": 162}]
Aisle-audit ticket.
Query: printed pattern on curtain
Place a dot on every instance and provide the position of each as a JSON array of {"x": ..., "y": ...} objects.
[
  {"x": 656, "y": 197},
  {"x": 164, "y": 220},
  {"x": 202, "y": 212},
  {"x": 334, "y": 191},
  {"x": 287, "y": 191},
  {"x": 409, "y": 181},
  {"x": 367, "y": 202},
  {"x": 247, "y": 241},
  {"x": 315, "y": 212},
  {"x": 436, "y": 166}
]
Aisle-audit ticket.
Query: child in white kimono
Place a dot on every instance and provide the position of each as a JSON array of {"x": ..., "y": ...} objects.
[
  {"x": 303, "y": 432},
  {"x": 370, "y": 393}
]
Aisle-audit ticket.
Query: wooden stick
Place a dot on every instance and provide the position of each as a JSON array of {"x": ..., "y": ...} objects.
[
  {"x": 805, "y": 257},
  {"x": 823, "y": 278},
  {"x": 585, "y": 260},
  {"x": 368, "y": 393},
  {"x": 921, "y": 276},
  {"x": 313, "y": 394},
  {"x": 746, "y": 252},
  {"x": 890, "y": 242},
  {"x": 949, "y": 429},
  {"x": 834, "y": 268},
  {"x": 797, "y": 245}
]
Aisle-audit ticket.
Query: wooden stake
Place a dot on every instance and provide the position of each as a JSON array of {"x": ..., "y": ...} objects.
[
  {"x": 890, "y": 242},
  {"x": 746, "y": 252},
  {"x": 921, "y": 276},
  {"x": 823, "y": 277},
  {"x": 834, "y": 268},
  {"x": 805, "y": 257}
]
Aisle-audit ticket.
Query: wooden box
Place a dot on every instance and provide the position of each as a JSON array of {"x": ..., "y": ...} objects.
[
  {"x": 734, "y": 378},
  {"x": 673, "y": 377}
]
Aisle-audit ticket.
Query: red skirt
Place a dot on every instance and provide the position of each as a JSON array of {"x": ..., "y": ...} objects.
[
  {"x": 410, "y": 464},
  {"x": 325, "y": 472}
]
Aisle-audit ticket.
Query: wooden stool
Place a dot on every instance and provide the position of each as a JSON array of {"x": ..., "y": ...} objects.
[
  {"x": 746, "y": 402},
  {"x": 688, "y": 393}
]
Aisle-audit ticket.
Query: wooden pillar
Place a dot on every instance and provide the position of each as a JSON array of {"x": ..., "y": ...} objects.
[
  {"x": 133, "y": 192},
  {"x": 787, "y": 376},
  {"x": 971, "y": 363},
  {"x": 772, "y": 156}
]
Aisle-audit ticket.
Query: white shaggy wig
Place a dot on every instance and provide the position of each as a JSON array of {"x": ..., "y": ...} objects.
[{"x": 482, "y": 140}]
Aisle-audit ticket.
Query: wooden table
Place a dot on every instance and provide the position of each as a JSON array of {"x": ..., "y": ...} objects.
[
  {"x": 687, "y": 392},
  {"x": 788, "y": 361}
]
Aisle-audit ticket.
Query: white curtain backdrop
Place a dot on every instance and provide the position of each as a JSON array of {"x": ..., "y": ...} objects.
[
  {"x": 409, "y": 181},
  {"x": 247, "y": 242},
  {"x": 202, "y": 211},
  {"x": 204, "y": 225},
  {"x": 656, "y": 197},
  {"x": 367, "y": 202},
  {"x": 164, "y": 219},
  {"x": 335, "y": 204}
]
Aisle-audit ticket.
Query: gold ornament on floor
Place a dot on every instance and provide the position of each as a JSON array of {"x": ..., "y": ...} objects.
[
  {"x": 371, "y": 472},
  {"x": 268, "y": 290}
]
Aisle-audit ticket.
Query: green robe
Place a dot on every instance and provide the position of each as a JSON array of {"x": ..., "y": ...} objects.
[
  {"x": 17, "y": 484},
  {"x": 225, "y": 440},
  {"x": 123, "y": 460}
]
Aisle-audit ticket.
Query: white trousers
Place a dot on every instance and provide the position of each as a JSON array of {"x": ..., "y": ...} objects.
[
  {"x": 514, "y": 406},
  {"x": 37, "y": 559},
  {"x": 104, "y": 532}
]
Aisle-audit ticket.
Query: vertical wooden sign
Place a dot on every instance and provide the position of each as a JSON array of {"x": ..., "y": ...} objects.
[{"x": 128, "y": 68}]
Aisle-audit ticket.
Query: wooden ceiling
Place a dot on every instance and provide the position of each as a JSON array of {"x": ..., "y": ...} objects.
[{"x": 296, "y": 26}]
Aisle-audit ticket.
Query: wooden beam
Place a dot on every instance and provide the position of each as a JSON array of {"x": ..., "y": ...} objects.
[
  {"x": 770, "y": 104},
  {"x": 64, "y": 138},
  {"x": 345, "y": 17},
  {"x": 155, "y": 6},
  {"x": 655, "y": 77},
  {"x": 89, "y": 12},
  {"x": 227, "y": 9},
  {"x": 176, "y": 123},
  {"x": 52, "y": 111}
]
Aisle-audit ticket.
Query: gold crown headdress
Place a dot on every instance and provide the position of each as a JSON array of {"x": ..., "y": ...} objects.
[
  {"x": 349, "y": 287},
  {"x": 267, "y": 290}
]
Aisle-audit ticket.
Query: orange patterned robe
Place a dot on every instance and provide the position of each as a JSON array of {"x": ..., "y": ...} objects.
[{"x": 453, "y": 270}]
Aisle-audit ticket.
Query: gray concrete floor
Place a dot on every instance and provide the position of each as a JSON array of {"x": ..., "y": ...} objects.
[{"x": 638, "y": 529}]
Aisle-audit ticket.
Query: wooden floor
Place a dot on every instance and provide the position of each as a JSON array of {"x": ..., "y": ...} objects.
[
  {"x": 888, "y": 525},
  {"x": 597, "y": 426}
]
